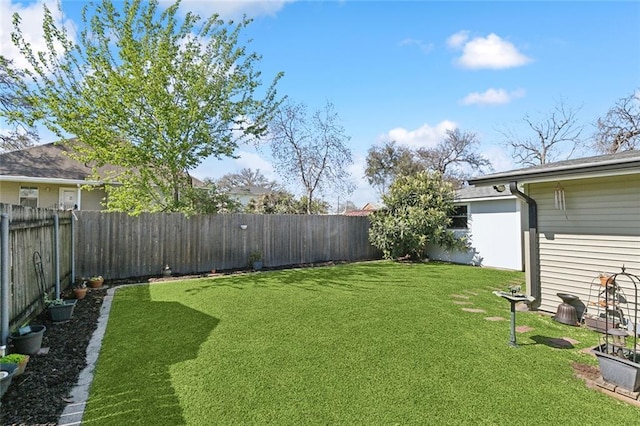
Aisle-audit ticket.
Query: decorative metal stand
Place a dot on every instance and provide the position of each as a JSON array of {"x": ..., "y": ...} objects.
[
  {"x": 619, "y": 355},
  {"x": 514, "y": 297}
]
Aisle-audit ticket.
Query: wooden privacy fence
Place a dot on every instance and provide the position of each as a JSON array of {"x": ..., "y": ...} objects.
[
  {"x": 32, "y": 238},
  {"x": 117, "y": 246}
]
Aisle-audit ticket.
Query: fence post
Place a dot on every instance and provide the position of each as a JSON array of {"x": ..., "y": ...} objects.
[
  {"x": 56, "y": 252},
  {"x": 4, "y": 278}
]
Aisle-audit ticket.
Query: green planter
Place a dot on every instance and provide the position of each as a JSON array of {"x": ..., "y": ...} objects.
[
  {"x": 27, "y": 340},
  {"x": 62, "y": 312},
  {"x": 7, "y": 371}
]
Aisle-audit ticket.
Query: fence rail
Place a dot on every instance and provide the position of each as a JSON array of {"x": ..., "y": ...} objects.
[{"x": 117, "y": 246}]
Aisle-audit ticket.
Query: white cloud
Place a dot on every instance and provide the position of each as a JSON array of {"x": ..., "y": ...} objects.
[
  {"x": 31, "y": 26},
  {"x": 492, "y": 97},
  {"x": 231, "y": 9},
  {"x": 424, "y": 47},
  {"x": 423, "y": 137},
  {"x": 458, "y": 39},
  {"x": 490, "y": 52}
]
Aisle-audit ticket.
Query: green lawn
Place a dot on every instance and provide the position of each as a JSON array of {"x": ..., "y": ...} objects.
[{"x": 368, "y": 343}]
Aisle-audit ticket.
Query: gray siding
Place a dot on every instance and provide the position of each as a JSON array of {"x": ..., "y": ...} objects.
[{"x": 598, "y": 232}]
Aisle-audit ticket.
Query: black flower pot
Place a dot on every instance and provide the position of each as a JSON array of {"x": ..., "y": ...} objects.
[{"x": 27, "y": 340}]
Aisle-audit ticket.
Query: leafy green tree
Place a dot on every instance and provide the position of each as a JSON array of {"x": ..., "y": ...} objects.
[
  {"x": 417, "y": 214},
  {"x": 276, "y": 202},
  {"x": 452, "y": 154},
  {"x": 20, "y": 135},
  {"x": 386, "y": 162},
  {"x": 283, "y": 202},
  {"x": 247, "y": 177},
  {"x": 149, "y": 92},
  {"x": 311, "y": 149}
]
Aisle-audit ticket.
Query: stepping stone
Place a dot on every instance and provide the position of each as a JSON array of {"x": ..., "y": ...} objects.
[
  {"x": 470, "y": 292},
  {"x": 462, "y": 302},
  {"x": 478, "y": 311},
  {"x": 524, "y": 329},
  {"x": 460, "y": 296},
  {"x": 495, "y": 318},
  {"x": 570, "y": 340}
]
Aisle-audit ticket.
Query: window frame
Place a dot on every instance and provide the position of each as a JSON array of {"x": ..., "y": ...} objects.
[
  {"x": 29, "y": 195},
  {"x": 458, "y": 216}
]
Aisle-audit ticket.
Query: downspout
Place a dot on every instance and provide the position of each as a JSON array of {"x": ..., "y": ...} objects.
[{"x": 533, "y": 269}]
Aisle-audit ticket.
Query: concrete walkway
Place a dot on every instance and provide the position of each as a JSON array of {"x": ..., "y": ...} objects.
[{"x": 73, "y": 412}]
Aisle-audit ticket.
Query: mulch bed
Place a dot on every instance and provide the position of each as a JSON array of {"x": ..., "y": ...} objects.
[{"x": 41, "y": 393}]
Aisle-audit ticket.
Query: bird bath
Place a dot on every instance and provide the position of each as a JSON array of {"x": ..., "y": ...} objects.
[{"x": 513, "y": 297}]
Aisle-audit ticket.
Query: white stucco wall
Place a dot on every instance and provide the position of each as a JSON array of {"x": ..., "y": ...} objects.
[{"x": 495, "y": 232}]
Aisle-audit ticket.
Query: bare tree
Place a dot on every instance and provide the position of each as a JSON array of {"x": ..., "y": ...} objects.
[
  {"x": 311, "y": 150},
  {"x": 619, "y": 129},
  {"x": 386, "y": 162},
  {"x": 12, "y": 107},
  {"x": 557, "y": 135},
  {"x": 455, "y": 156}
]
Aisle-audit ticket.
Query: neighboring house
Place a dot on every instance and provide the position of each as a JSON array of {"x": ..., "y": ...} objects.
[
  {"x": 244, "y": 194},
  {"x": 366, "y": 210},
  {"x": 45, "y": 176},
  {"x": 492, "y": 220},
  {"x": 583, "y": 219}
]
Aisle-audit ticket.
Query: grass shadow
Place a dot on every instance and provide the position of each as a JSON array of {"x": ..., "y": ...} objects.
[
  {"x": 132, "y": 384},
  {"x": 553, "y": 342}
]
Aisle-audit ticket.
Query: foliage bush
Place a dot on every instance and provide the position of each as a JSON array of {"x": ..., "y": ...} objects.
[{"x": 416, "y": 214}]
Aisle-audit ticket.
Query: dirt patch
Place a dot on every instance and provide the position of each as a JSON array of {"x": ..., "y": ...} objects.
[
  {"x": 41, "y": 393},
  {"x": 590, "y": 372}
]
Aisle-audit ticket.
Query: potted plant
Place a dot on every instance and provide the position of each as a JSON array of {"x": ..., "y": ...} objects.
[
  {"x": 255, "y": 260},
  {"x": 96, "y": 281},
  {"x": 27, "y": 339},
  {"x": 19, "y": 359},
  {"x": 80, "y": 289},
  {"x": 59, "y": 309},
  {"x": 606, "y": 279}
]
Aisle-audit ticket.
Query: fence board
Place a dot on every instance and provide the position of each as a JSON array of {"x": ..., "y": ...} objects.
[{"x": 119, "y": 246}]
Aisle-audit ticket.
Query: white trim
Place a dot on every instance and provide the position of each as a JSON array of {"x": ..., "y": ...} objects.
[
  {"x": 468, "y": 200},
  {"x": 28, "y": 179}
]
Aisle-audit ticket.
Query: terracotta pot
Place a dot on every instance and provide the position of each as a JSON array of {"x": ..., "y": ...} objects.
[
  {"x": 96, "y": 283},
  {"x": 80, "y": 292}
]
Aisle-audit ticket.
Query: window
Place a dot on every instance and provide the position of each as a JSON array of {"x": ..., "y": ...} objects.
[
  {"x": 459, "y": 218},
  {"x": 29, "y": 196}
]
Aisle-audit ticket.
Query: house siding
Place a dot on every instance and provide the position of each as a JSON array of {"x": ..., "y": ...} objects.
[
  {"x": 599, "y": 231},
  {"x": 49, "y": 195},
  {"x": 495, "y": 230}
]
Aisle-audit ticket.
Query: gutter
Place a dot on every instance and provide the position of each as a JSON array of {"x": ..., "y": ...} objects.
[{"x": 533, "y": 265}]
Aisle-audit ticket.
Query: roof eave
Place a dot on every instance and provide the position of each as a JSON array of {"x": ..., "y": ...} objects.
[
  {"x": 561, "y": 173},
  {"x": 52, "y": 181}
]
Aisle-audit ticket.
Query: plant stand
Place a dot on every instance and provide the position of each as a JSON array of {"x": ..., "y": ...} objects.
[
  {"x": 618, "y": 360},
  {"x": 62, "y": 312},
  {"x": 28, "y": 340}
]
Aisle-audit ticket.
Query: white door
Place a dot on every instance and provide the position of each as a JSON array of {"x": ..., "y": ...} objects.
[{"x": 68, "y": 198}]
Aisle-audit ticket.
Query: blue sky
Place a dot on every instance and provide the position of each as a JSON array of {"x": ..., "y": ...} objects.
[{"x": 408, "y": 71}]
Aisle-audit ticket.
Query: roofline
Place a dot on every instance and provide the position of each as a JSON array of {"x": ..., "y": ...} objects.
[
  {"x": 615, "y": 167},
  {"x": 58, "y": 181},
  {"x": 468, "y": 200}
]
